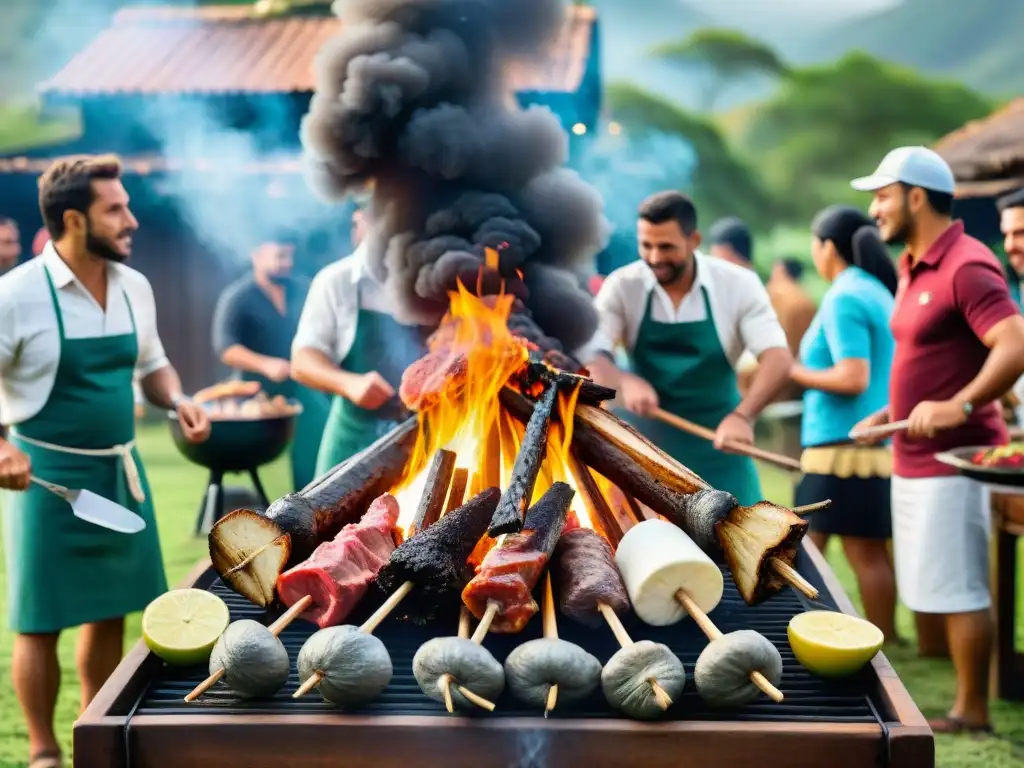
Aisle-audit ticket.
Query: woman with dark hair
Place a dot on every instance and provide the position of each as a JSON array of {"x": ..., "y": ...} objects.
[{"x": 845, "y": 358}]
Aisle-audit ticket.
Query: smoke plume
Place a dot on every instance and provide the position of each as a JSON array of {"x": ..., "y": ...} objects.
[{"x": 412, "y": 98}]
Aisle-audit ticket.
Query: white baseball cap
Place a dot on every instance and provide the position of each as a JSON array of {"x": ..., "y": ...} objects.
[{"x": 915, "y": 166}]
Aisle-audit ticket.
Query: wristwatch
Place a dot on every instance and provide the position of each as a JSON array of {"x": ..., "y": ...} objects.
[{"x": 968, "y": 409}]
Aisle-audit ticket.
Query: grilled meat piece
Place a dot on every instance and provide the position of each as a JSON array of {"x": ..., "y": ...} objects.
[
  {"x": 509, "y": 573},
  {"x": 586, "y": 576},
  {"x": 339, "y": 572}
]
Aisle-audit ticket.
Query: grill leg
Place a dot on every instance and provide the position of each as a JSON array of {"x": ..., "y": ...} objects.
[
  {"x": 259, "y": 488},
  {"x": 213, "y": 508}
]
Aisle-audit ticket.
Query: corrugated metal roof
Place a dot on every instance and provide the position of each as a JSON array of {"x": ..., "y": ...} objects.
[{"x": 226, "y": 49}]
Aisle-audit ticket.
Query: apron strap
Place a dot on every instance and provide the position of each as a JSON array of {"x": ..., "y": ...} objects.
[
  {"x": 56, "y": 302},
  {"x": 123, "y": 452}
]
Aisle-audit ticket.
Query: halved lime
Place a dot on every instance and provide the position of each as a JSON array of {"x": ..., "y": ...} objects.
[{"x": 182, "y": 626}]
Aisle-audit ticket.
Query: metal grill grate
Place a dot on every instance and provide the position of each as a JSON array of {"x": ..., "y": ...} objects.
[{"x": 807, "y": 698}]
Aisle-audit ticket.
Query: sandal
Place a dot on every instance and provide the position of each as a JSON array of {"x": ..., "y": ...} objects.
[
  {"x": 956, "y": 725},
  {"x": 46, "y": 760}
]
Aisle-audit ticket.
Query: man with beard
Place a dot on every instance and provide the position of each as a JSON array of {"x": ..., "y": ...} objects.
[
  {"x": 959, "y": 347},
  {"x": 684, "y": 320},
  {"x": 253, "y": 327},
  {"x": 1011, "y": 222},
  {"x": 10, "y": 244},
  {"x": 76, "y": 325},
  {"x": 349, "y": 346}
]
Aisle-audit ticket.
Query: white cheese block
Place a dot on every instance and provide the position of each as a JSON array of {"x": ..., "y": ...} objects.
[{"x": 656, "y": 559}]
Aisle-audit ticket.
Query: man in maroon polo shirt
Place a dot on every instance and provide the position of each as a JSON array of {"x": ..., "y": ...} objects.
[{"x": 959, "y": 348}]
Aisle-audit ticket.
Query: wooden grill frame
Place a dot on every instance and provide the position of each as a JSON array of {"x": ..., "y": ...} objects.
[{"x": 322, "y": 740}]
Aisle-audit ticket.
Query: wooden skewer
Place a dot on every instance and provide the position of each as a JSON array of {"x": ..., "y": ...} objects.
[
  {"x": 713, "y": 633},
  {"x": 708, "y": 434},
  {"x": 807, "y": 509},
  {"x": 551, "y": 633},
  {"x": 275, "y": 629},
  {"x": 661, "y": 697},
  {"x": 791, "y": 575}
]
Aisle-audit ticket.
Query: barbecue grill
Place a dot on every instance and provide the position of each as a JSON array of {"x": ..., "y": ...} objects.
[
  {"x": 139, "y": 718},
  {"x": 234, "y": 445}
]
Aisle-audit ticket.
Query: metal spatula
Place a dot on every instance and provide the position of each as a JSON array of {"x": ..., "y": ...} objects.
[{"x": 95, "y": 509}]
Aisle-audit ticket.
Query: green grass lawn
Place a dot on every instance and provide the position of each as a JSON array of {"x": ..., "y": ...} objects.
[{"x": 178, "y": 486}]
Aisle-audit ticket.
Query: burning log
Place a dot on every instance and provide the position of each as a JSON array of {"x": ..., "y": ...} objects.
[
  {"x": 757, "y": 542},
  {"x": 434, "y": 560},
  {"x": 460, "y": 483},
  {"x": 596, "y": 504},
  {"x": 508, "y": 518},
  {"x": 501, "y": 592},
  {"x": 439, "y": 478},
  {"x": 539, "y": 377},
  {"x": 250, "y": 550}
]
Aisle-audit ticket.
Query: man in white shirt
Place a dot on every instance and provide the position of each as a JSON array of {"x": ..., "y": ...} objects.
[
  {"x": 684, "y": 320},
  {"x": 10, "y": 244},
  {"x": 349, "y": 345},
  {"x": 76, "y": 326}
]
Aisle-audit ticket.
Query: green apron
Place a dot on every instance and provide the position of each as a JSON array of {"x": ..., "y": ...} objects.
[
  {"x": 687, "y": 367},
  {"x": 381, "y": 344},
  {"x": 61, "y": 571},
  {"x": 309, "y": 427}
]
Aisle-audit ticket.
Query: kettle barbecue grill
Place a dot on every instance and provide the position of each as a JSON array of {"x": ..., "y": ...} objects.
[{"x": 235, "y": 445}]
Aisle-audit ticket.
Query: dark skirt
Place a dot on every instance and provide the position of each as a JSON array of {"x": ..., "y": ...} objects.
[{"x": 861, "y": 506}]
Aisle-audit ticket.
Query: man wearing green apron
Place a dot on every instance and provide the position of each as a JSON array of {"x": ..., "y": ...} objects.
[
  {"x": 349, "y": 346},
  {"x": 684, "y": 320},
  {"x": 253, "y": 327},
  {"x": 76, "y": 326}
]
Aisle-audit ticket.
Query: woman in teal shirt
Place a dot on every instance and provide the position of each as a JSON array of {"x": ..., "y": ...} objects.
[{"x": 845, "y": 359}]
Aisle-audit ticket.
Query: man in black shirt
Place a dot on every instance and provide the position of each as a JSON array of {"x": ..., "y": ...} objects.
[{"x": 253, "y": 326}]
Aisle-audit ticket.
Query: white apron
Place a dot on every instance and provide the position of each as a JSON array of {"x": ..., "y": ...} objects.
[{"x": 940, "y": 532}]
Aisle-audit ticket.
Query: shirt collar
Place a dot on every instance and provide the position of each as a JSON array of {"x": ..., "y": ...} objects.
[
  {"x": 61, "y": 273},
  {"x": 941, "y": 246}
]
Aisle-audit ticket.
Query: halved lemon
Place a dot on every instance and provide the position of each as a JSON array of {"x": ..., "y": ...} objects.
[
  {"x": 832, "y": 644},
  {"x": 183, "y": 625}
]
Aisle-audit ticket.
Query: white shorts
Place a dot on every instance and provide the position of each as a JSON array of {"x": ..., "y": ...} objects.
[{"x": 940, "y": 532}]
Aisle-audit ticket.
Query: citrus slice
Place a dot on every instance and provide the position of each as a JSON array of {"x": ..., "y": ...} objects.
[
  {"x": 832, "y": 644},
  {"x": 182, "y": 626}
]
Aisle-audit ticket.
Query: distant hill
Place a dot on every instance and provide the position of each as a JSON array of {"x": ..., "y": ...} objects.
[{"x": 977, "y": 42}]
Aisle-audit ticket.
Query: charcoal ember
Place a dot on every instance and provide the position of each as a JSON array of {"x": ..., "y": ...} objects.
[
  {"x": 586, "y": 576},
  {"x": 434, "y": 560}
]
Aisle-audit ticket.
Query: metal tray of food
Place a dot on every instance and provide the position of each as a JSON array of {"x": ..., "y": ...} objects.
[{"x": 965, "y": 460}]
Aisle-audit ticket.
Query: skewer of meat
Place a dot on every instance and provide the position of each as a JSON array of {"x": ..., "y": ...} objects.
[
  {"x": 451, "y": 669},
  {"x": 500, "y": 595},
  {"x": 431, "y": 565},
  {"x": 538, "y": 670},
  {"x": 250, "y": 550},
  {"x": 326, "y": 588},
  {"x": 642, "y": 678},
  {"x": 432, "y": 664},
  {"x": 668, "y": 577}
]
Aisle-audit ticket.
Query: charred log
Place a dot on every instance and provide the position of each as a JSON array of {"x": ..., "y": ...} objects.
[
  {"x": 435, "y": 491},
  {"x": 460, "y": 483},
  {"x": 325, "y": 506},
  {"x": 745, "y": 537},
  {"x": 600, "y": 511},
  {"x": 539, "y": 377},
  {"x": 508, "y": 518}
]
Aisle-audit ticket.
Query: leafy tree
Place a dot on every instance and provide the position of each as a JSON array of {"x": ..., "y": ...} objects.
[
  {"x": 725, "y": 55},
  {"x": 828, "y": 124},
  {"x": 721, "y": 184}
]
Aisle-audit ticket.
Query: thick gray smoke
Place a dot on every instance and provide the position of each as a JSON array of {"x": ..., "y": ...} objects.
[{"x": 411, "y": 96}]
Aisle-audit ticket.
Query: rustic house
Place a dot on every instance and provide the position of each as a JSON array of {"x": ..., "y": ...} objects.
[
  {"x": 200, "y": 194},
  {"x": 987, "y": 158}
]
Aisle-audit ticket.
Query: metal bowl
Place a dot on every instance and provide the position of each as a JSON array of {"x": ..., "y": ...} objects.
[
  {"x": 960, "y": 458},
  {"x": 237, "y": 445}
]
